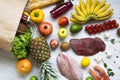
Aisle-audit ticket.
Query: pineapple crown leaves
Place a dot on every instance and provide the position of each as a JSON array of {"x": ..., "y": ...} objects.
[{"x": 47, "y": 72}]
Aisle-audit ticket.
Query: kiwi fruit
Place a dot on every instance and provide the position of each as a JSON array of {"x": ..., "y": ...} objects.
[
  {"x": 118, "y": 31},
  {"x": 64, "y": 46}
]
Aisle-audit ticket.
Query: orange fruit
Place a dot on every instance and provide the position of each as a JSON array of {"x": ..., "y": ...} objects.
[{"x": 24, "y": 66}]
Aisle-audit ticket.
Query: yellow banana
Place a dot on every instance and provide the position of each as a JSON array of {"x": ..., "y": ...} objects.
[
  {"x": 76, "y": 21},
  {"x": 79, "y": 12},
  {"x": 88, "y": 4},
  {"x": 105, "y": 13},
  {"x": 106, "y": 17},
  {"x": 93, "y": 5},
  {"x": 93, "y": 17},
  {"x": 101, "y": 4},
  {"x": 77, "y": 17},
  {"x": 103, "y": 9},
  {"x": 83, "y": 7}
]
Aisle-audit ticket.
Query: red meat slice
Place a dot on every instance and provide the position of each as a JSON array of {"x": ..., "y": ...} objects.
[{"x": 87, "y": 46}]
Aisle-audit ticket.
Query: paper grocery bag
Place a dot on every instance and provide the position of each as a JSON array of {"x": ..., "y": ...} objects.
[{"x": 10, "y": 15}]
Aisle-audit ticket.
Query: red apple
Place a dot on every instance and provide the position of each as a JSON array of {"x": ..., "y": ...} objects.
[{"x": 54, "y": 43}]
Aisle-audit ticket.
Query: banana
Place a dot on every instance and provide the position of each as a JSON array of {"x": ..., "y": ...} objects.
[
  {"x": 88, "y": 4},
  {"x": 103, "y": 9},
  {"x": 79, "y": 12},
  {"x": 76, "y": 21},
  {"x": 101, "y": 4},
  {"x": 91, "y": 9},
  {"x": 83, "y": 7},
  {"x": 93, "y": 5},
  {"x": 77, "y": 17},
  {"x": 93, "y": 17},
  {"x": 106, "y": 17},
  {"x": 105, "y": 13}
]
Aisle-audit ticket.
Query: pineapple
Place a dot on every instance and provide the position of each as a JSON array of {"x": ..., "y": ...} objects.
[
  {"x": 39, "y": 49},
  {"x": 47, "y": 72}
]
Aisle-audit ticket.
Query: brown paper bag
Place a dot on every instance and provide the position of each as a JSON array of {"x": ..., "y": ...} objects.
[{"x": 10, "y": 15}]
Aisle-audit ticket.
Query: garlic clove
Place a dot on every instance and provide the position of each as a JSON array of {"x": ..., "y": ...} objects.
[
  {"x": 106, "y": 36},
  {"x": 108, "y": 54},
  {"x": 98, "y": 59}
]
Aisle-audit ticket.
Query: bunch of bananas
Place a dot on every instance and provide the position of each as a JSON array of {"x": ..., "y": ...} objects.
[{"x": 92, "y": 9}]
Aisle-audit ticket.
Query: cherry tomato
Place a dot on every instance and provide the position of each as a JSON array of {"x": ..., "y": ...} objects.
[{"x": 87, "y": 28}]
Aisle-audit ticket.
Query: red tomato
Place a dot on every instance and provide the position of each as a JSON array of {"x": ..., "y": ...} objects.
[
  {"x": 63, "y": 21},
  {"x": 45, "y": 28}
]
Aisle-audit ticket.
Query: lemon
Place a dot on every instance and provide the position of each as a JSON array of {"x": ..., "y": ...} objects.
[{"x": 85, "y": 62}]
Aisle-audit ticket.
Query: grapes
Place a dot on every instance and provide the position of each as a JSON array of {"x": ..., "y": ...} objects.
[{"x": 97, "y": 28}]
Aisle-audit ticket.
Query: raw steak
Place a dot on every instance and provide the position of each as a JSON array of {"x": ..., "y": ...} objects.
[{"x": 87, "y": 46}]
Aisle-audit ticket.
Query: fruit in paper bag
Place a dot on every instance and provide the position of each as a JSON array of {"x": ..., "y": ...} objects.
[
  {"x": 91, "y": 9},
  {"x": 39, "y": 49}
]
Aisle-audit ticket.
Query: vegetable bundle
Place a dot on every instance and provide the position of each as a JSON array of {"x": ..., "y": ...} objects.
[{"x": 20, "y": 43}]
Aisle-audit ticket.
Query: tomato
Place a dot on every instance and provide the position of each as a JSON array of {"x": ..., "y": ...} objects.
[
  {"x": 24, "y": 66},
  {"x": 63, "y": 21},
  {"x": 45, "y": 28}
]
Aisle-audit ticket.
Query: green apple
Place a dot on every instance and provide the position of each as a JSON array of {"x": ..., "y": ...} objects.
[{"x": 62, "y": 33}]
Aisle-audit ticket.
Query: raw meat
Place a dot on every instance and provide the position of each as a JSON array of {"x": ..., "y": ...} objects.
[
  {"x": 87, "y": 46},
  {"x": 69, "y": 67}
]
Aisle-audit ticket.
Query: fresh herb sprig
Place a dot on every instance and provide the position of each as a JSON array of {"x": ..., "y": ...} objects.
[
  {"x": 112, "y": 41},
  {"x": 109, "y": 70}
]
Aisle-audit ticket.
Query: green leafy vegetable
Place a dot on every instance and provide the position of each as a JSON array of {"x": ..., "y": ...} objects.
[
  {"x": 105, "y": 65},
  {"x": 20, "y": 43},
  {"x": 110, "y": 73},
  {"x": 112, "y": 41},
  {"x": 109, "y": 70}
]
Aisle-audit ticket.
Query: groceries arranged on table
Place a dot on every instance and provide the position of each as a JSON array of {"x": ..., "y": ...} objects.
[{"x": 39, "y": 48}]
